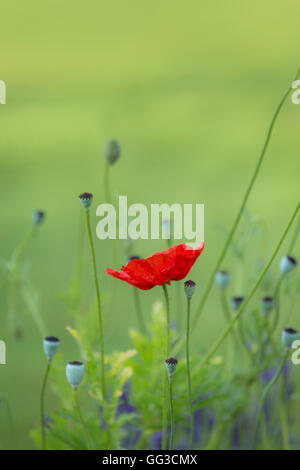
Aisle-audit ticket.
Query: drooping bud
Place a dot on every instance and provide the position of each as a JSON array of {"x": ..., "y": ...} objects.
[
  {"x": 189, "y": 288},
  {"x": 236, "y": 302},
  {"x": 288, "y": 336},
  {"x": 38, "y": 217},
  {"x": 171, "y": 365},
  {"x": 86, "y": 199},
  {"x": 51, "y": 344},
  {"x": 75, "y": 373},
  {"x": 287, "y": 264},
  {"x": 267, "y": 304},
  {"x": 112, "y": 151},
  {"x": 133, "y": 257},
  {"x": 223, "y": 279}
]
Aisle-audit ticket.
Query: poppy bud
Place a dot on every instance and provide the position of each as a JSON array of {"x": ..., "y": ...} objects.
[
  {"x": 223, "y": 279},
  {"x": 171, "y": 365},
  {"x": 112, "y": 151},
  {"x": 287, "y": 263},
  {"x": 236, "y": 302},
  {"x": 75, "y": 372},
  {"x": 288, "y": 336},
  {"x": 267, "y": 304},
  {"x": 51, "y": 344},
  {"x": 133, "y": 257},
  {"x": 38, "y": 217},
  {"x": 86, "y": 199},
  {"x": 189, "y": 288}
]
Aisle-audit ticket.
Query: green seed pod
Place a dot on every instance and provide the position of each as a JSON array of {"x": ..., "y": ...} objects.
[
  {"x": 223, "y": 279},
  {"x": 236, "y": 302},
  {"x": 189, "y": 288},
  {"x": 51, "y": 344},
  {"x": 267, "y": 304},
  {"x": 38, "y": 217},
  {"x": 86, "y": 200},
  {"x": 112, "y": 151},
  {"x": 171, "y": 365},
  {"x": 287, "y": 264},
  {"x": 288, "y": 336},
  {"x": 75, "y": 373}
]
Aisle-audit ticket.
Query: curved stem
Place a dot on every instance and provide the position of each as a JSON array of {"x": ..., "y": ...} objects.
[
  {"x": 81, "y": 418},
  {"x": 138, "y": 310},
  {"x": 283, "y": 417},
  {"x": 189, "y": 373},
  {"x": 42, "y": 404},
  {"x": 244, "y": 202},
  {"x": 277, "y": 306},
  {"x": 165, "y": 399},
  {"x": 171, "y": 411},
  {"x": 227, "y": 313},
  {"x": 88, "y": 223},
  {"x": 106, "y": 183},
  {"x": 265, "y": 394},
  {"x": 295, "y": 236},
  {"x": 227, "y": 330},
  {"x": 22, "y": 247}
]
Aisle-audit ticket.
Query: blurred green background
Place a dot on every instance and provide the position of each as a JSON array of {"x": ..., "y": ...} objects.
[{"x": 188, "y": 89}]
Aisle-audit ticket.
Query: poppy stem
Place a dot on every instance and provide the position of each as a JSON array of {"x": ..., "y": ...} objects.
[
  {"x": 81, "y": 418},
  {"x": 295, "y": 236},
  {"x": 244, "y": 202},
  {"x": 106, "y": 183},
  {"x": 227, "y": 330},
  {"x": 167, "y": 353},
  {"x": 88, "y": 223},
  {"x": 171, "y": 410},
  {"x": 138, "y": 310},
  {"x": 189, "y": 371},
  {"x": 264, "y": 396},
  {"x": 42, "y": 404}
]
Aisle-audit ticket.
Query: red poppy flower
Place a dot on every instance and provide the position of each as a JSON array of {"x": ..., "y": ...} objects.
[{"x": 161, "y": 268}]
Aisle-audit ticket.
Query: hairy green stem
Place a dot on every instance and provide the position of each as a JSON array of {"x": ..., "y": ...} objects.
[
  {"x": 81, "y": 418},
  {"x": 189, "y": 380},
  {"x": 227, "y": 330},
  {"x": 295, "y": 236},
  {"x": 165, "y": 399},
  {"x": 283, "y": 416},
  {"x": 171, "y": 411},
  {"x": 106, "y": 183},
  {"x": 242, "y": 207},
  {"x": 265, "y": 394},
  {"x": 88, "y": 223},
  {"x": 42, "y": 404}
]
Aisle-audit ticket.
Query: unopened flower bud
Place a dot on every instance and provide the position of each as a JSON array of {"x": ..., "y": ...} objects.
[
  {"x": 75, "y": 373},
  {"x": 133, "y": 257},
  {"x": 236, "y": 302},
  {"x": 189, "y": 288},
  {"x": 86, "y": 199},
  {"x": 112, "y": 151},
  {"x": 223, "y": 279},
  {"x": 288, "y": 336},
  {"x": 287, "y": 264},
  {"x": 171, "y": 365},
  {"x": 267, "y": 304},
  {"x": 38, "y": 217},
  {"x": 51, "y": 344}
]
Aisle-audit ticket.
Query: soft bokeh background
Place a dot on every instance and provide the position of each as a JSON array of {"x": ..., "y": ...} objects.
[{"x": 188, "y": 89}]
